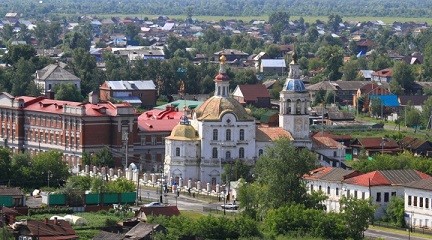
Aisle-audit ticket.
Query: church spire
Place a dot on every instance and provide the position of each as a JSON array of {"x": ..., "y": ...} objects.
[{"x": 222, "y": 80}]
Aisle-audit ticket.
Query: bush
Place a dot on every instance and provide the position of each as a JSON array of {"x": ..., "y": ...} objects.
[{"x": 63, "y": 210}]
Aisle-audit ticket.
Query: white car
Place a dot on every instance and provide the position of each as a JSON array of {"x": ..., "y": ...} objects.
[
  {"x": 153, "y": 204},
  {"x": 230, "y": 206}
]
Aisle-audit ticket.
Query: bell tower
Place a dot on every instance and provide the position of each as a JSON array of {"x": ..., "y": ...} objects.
[{"x": 293, "y": 105}]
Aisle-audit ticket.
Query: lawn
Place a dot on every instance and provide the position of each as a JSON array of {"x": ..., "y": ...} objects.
[{"x": 309, "y": 19}]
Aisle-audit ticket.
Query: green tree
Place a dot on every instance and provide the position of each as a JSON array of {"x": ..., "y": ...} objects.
[
  {"x": 332, "y": 56},
  {"x": 426, "y": 112},
  {"x": 16, "y": 52},
  {"x": 273, "y": 51},
  {"x": 279, "y": 22},
  {"x": 74, "y": 40},
  {"x": 120, "y": 185},
  {"x": 427, "y": 62},
  {"x": 395, "y": 211},
  {"x": 22, "y": 78},
  {"x": 350, "y": 70},
  {"x": 413, "y": 117},
  {"x": 5, "y": 166},
  {"x": 68, "y": 92},
  {"x": 403, "y": 74},
  {"x": 281, "y": 183},
  {"x": 239, "y": 169},
  {"x": 357, "y": 214},
  {"x": 334, "y": 21},
  {"x": 48, "y": 168},
  {"x": 103, "y": 158}
]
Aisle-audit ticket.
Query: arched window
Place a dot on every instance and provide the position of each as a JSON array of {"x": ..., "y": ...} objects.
[
  {"x": 228, "y": 155},
  {"x": 177, "y": 152},
  {"x": 288, "y": 106},
  {"x": 241, "y": 152},
  {"x": 242, "y": 135},
  {"x": 214, "y": 153},
  {"x": 298, "y": 107},
  {"x": 228, "y": 135},
  {"x": 260, "y": 152},
  {"x": 215, "y": 134}
]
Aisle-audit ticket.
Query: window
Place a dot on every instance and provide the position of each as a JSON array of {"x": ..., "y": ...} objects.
[
  {"x": 378, "y": 197},
  {"x": 415, "y": 202},
  {"x": 311, "y": 187},
  {"x": 363, "y": 195},
  {"x": 409, "y": 201},
  {"x": 260, "y": 152},
  {"x": 355, "y": 193},
  {"x": 334, "y": 154},
  {"x": 328, "y": 190},
  {"x": 177, "y": 151},
  {"x": 386, "y": 197},
  {"x": 215, "y": 134},
  {"x": 228, "y": 135},
  {"x": 242, "y": 134},
  {"x": 319, "y": 188},
  {"x": 228, "y": 155},
  {"x": 427, "y": 203},
  {"x": 337, "y": 191},
  {"x": 420, "y": 202},
  {"x": 241, "y": 152},
  {"x": 393, "y": 194},
  {"x": 214, "y": 153},
  {"x": 348, "y": 193}
]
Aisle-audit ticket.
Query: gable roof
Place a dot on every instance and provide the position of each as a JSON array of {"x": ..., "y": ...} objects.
[
  {"x": 376, "y": 142},
  {"x": 424, "y": 184},
  {"x": 269, "y": 134},
  {"x": 387, "y": 177},
  {"x": 330, "y": 174},
  {"x": 164, "y": 211},
  {"x": 413, "y": 143},
  {"x": 55, "y": 72},
  {"x": 51, "y": 229},
  {"x": 9, "y": 191},
  {"x": 102, "y": 235},
  {"x": 141, "y": 230},
  {"x": 326, "y": 143},
  {"x": 251, "y": 92},
  {"x": 415, "y": 100}
]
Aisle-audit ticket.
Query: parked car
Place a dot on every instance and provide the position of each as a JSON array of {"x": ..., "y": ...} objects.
[
  {"x": 230, "y": 206},
  {"x": 153, "y": 204}
]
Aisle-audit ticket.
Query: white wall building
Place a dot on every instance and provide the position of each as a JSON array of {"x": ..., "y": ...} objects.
[
  {"x": 54, "y": 74},
  {"x": 418, "y": 205},
  {"x": 379, "y": 186},
  {"x": 221, "y": 131}
]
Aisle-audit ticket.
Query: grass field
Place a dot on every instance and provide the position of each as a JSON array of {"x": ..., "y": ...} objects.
[{"x": 309, "y": 19}]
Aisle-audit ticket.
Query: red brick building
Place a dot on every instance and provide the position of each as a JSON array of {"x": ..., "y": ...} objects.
[{"x": 37, "y": 124}]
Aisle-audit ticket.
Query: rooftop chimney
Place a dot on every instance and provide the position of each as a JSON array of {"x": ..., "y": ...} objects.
[{"x": 93, "y": 98}]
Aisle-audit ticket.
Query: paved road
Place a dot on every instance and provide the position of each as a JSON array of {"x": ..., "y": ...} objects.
[
  {"x": 389, "y": 235},
  {"x": 183, "y": 202}
]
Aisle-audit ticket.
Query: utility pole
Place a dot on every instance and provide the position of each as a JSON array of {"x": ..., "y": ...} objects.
[{"x": 126, "y": 139}]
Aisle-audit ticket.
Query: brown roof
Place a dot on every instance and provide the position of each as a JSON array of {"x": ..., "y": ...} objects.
[
  {"x": 387, "y": 177},
  {"x": 377, "y": 142},
  {"x": 8, "y": 191},
  {"x": 333, "y": 136},
  {"x": 330, "y": 174},
  {"x": 326, "y": 142},
  {"x": 49, "y": 230},
  {"x": 102, "y": 235},
  {"x": 416, "y": 100},
  {"x": 141, "y": 230},
  {"x": 269, "y": 134},
  {"x": 424, "y": 184},
  {"x": 254, "y": 91},
  {"x": 164, "y": 211},
  {"x": 413, "y": 143}
]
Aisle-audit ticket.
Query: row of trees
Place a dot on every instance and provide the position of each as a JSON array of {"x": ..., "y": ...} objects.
[
  {"x": 29, "y": 172},
  {"x": 407, "y": 8}
]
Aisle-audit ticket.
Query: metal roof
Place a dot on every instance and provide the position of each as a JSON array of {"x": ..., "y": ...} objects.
[
  {"x": 273, "y": 63},
  {"x": 132, "y": 85}
]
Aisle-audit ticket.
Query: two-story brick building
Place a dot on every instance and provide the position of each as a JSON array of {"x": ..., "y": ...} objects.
[{"x": 38, "y": 124}]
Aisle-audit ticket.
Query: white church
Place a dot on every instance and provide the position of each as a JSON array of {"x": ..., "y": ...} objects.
[{"x": 221, "y": 130}]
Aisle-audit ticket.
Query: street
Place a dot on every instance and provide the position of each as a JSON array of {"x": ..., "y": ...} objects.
[{"x": 372, "y": 233}]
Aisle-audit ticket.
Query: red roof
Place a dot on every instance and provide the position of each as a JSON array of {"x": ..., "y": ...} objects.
[
  {"x": 254, "y": 91},
  {"x": 158, "y": 114},
  {"x": 387, "y": 177},
  {"x": 388, "y": 72},
  {"x": 162, "y": 125},
  {"x": 42, "y": 104},
  {"x": 222, "y": 77},
  {"x": 377, "y": 143}
]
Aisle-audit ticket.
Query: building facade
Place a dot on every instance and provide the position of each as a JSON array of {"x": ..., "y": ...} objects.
[{"x": 41, "y": 124}]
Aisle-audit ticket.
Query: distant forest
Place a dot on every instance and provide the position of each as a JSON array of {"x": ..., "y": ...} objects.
[{"x": 375, "y": 8}]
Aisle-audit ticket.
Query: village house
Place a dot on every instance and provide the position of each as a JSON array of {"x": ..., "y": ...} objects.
[
  {"x": 253, "y": 94},
  {"x": 418, "y": 205},
  {"x": 140, "y": 93},
  {"x": 53, "y": 75}
]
